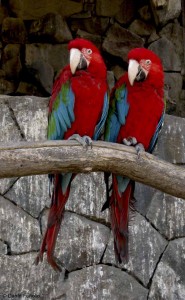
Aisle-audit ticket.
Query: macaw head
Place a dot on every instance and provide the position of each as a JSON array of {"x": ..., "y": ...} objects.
[
  {"x": 145, "y": 65},
  {"x": 84, "y": 55}
]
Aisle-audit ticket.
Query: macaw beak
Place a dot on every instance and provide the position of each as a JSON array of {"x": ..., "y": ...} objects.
[
  {"x": 77, "y": 60},
  {"x": 136, "y": 72}
]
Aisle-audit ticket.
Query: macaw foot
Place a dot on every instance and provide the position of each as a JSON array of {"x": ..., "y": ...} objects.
[
  {"x": 130, "y": 141},
  {"x": 139, "y": 149},
  {"x": 85, "y": 140}
]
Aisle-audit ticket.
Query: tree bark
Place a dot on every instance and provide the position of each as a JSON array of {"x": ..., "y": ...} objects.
[{"x": 31, "y": 158}]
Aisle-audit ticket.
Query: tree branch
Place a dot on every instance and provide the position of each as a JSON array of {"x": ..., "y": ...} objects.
[{"x": 31, "y": 158}]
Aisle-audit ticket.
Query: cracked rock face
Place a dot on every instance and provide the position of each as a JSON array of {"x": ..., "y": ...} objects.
[{"x": 85, "y": 243}]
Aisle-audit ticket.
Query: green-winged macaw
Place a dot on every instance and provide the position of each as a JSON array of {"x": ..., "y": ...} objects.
[
  {"x": 78, "y": 106},
  {"x": 135, "y": 117}
]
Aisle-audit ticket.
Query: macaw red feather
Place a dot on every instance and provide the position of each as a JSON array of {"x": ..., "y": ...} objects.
[
  {"x": 144, "y": 110},
  {"x": 89, "y": 88}
]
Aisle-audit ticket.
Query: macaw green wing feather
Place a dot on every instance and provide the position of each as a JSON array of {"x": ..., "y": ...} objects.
[
  {"x": 62, "y": 113},
  {"x": 117, "y": 114}
]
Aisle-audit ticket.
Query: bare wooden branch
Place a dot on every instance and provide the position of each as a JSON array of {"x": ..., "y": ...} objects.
[{"x": 33, "y": 158}]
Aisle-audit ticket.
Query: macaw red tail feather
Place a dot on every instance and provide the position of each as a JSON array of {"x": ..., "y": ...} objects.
[
  {"x": 55, "y": 216},
  {"x": 119, "y": 211}
]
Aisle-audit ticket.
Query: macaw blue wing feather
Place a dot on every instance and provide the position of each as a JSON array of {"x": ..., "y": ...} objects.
[
  {"x": 121, "y": 103},
  {"x": 117, "y": 114},
  {"x": 62, "y": 114},
  {"x": 99, "y": 127},
  {"x": 155, "y": 136},
  {"x": 122, "y": 183}
]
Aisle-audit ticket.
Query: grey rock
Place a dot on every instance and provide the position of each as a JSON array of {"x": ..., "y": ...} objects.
[
  {"x": 143, "y": 195},
  {"x": 118, "y": 71},
  {"x": 13, "y": 31},
  {"x": 94, "y": 25},
  {"x": 170, "y": 145},
  {"x": 110, "y": 79},
  {"x": 81, "y": 242},
  {"x": 3, "y": 13},
  {"x": 19, "y": 276},
  {"x": 174, "y": 33},
  {"x": 11, "y": 64},
  {"x": 120, "y": 41},
  {"x": 95, "y": 38},
  {"x": 145, "y": 247},
  {"x": 107, "y": 7},
  {"x": 8, "y": 132},
  {"x": 3, "y": 248},
  {"x": 101, "y": 282},
  {"x": 153, "y": 37},
  {"x": 31, "y": 193},
  {"x": 173, "y": 86},
  {"x": 50, "y": 28},
  {"x": 7, "y": 87},
  {"x": 130, "y": 8},
  {"x": 55, "y": 55},
  {"x": 169, "y": 279},
  {"x": 5, "y": 184},
  {"x": 87, "y": 196},
  {"x": 31, "y": 114},
  {"x": 171, "y": 62},
  {"x": 43, "y": 73},
  {"x": 167, "y": 213},
  {"x": 27, "y": 89},
  {"x": 8, "y": 128},
  {"x": 167, "y": 10},
  {"x": 28, "y": 10},
  {"x": 141, "y": 28},
  {"x": 17, "y": 228},
  {"x": 181, "y": 104},
  {"x": 144, "y": 13}
]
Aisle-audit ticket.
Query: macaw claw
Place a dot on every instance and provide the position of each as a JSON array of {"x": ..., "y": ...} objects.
[
  {"x": 139, "y": 149},
  {"x": 130, "y": 141},
  {"x": 85, "y": 140}
]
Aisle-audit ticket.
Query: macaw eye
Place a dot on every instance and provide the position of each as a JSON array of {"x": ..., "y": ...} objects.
[
  {"x": 89, "y": 51},
  {"x": 148, "y": 61}
]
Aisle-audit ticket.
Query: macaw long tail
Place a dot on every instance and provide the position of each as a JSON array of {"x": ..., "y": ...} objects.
[
  {"x": 55, "y": 216},
  {"x": 119, "y": 211}
]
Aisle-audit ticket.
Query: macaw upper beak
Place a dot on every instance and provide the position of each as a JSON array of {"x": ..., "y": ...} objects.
[
  {"x": 77, "y": 60},
  {"x": 136, "y": 72}
]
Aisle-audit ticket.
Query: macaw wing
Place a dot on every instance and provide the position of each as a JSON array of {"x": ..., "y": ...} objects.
[
  {"x": 99, "y": 127},
  {"x": 61, "y": 115},
  {"x": 155, "y": 136},
  {"x": 117, "y": 113}
]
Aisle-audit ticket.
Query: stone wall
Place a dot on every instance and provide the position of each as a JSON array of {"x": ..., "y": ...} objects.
[
  {"x": 33, "y": 49},
  {"x": 34, "y": 37},
  {"x": 85, "y": 244}
]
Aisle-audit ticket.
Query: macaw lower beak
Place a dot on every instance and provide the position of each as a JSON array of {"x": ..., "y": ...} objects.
[
  {"x": 77, "y": 60},
  {"x": 136, "y": 72}
]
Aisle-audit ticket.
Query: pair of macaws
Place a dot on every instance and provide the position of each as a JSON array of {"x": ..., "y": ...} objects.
[{"x": 79, "y": 106}]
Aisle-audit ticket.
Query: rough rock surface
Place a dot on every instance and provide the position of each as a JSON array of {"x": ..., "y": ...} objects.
[
  {"x": 107, "y": 283},
  {"x": 85, "y": 244},
  {"x": 43, "y": 28},
  {"x": 169, "y": 279},
  {"x": 142, "y": 240},
  {"x": 119, "y": 41},
  {"x": 81, "y": 242}
]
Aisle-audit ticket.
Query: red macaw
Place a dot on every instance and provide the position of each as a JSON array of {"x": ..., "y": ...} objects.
[
  {"x": 135, "y": 117},
  {"x": 78, "y": 106}
]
